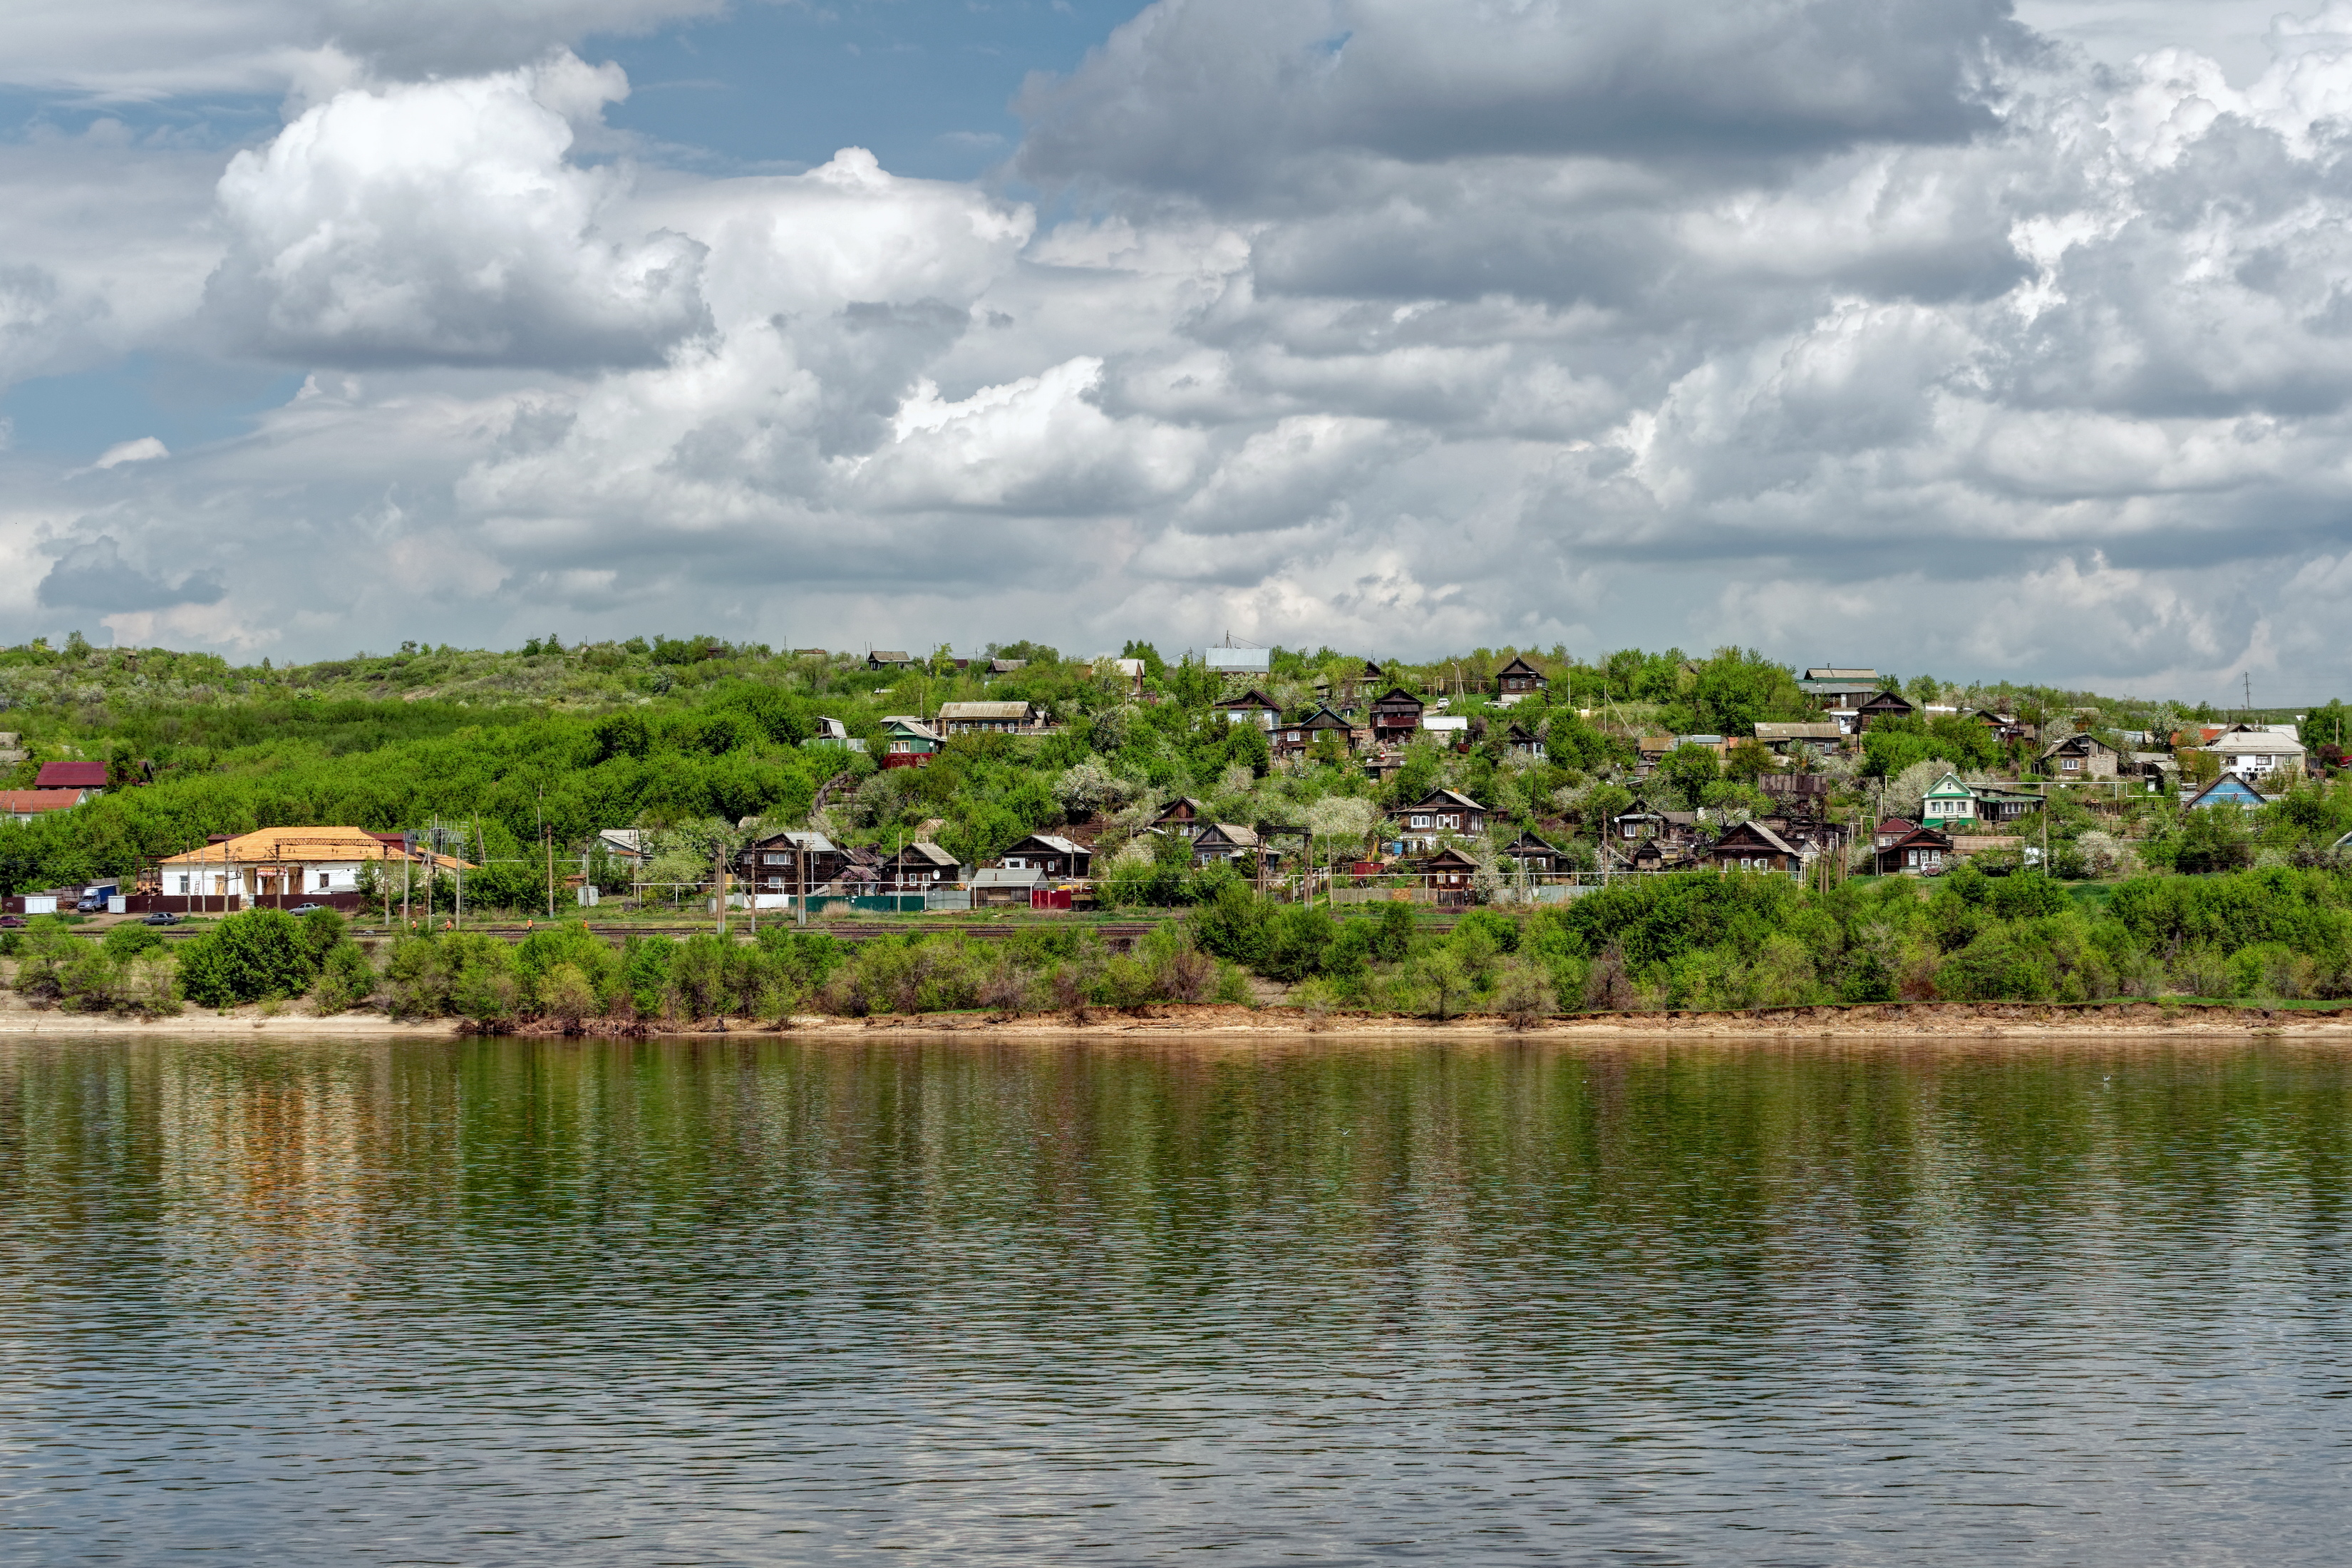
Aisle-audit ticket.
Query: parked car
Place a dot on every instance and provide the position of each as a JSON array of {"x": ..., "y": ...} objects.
[
  {"x": 12, "y": 922},
  {"x": 306, "y": 909},
  {"x": 164, "y": 918}
]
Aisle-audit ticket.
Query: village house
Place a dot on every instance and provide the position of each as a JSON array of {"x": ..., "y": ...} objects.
[
  {"x": 1883, "y": 706},
  {"x": 2228, "y": 790},
  {"x": 86, "y": 779},
  {"x": 1649, "y": 751},
  {"x": 1641, "y": 820},
  {"x": 1297, "y": 740},
  {"x": 1127, "y": 673},
  {"x": 790, "y": 862},
  {"x": 1891, "y": 831},
  {"x": 2083, "y": 756},
  {"x": 878, "y": 660},
  {"x": 1184, "y": 815},
  {"x": 24, "y": 806},
  {"x": 1920, "y": 851},
  {"x": 989, "y": 719},
  {"x": 1523, "y": 742},
  {"x": 1751, "y": 846},
  {"x": 998, "y": 887},
  {"x": 283, "y": 866},
  {"x": 1053, "y": 856},
  {"x": 1841, "y": 698},
  {"x": 1251, "y": 707},
  {"x": 1520, "y": 679},
  {"x": 1222, "y": 841},
  {"x": 1395, "y": 715},
  {"x": 1532, "y": 854},
  {"x": 1786, "y": 739},
  {"x": 908, "y": 741},
  {"x": 1449, "y": 875},
  {"x": 623, "y": 846},
  {"x": 1948, "y": 801},
  {"x": 1441, "y": 812},
  {"x": 2249, "y": 751},
  {"x": 918, "y": 867}
]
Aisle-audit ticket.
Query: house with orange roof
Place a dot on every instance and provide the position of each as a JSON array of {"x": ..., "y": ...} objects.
[
  {"x": 289, "y": 864},
  {"x": 23, "y": 806}
]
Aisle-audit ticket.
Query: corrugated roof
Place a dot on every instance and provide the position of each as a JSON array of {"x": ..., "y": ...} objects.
[
  {"x": 71, "y": 775},
  {"x": 1015, "y": 710},
  {"x": 25, "y": 801},
  {"x": 1007, "y": 877},
  {"x": 1775, "y": 731}
]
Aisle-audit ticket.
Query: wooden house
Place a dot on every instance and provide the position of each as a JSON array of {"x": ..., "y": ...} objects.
[
  {"x": 1449, "y": 875},
  {"x": 2082, "y": 756},
  {"x": 1891, "y": 830},
  {"x": 989, "y": 719},
  {"x": 1785, "y": 738},
  {"x": 1297, "y": 740},
  {"x": 1002, "y": 887},
  {"x": 2228, "y": 790},
  {"x": 1884, "y": 705},
  {"x": 1222, "y": 841},
  {"x": 1648, "y": 752},
  {"x": 1046, "y": 852},
  {"x": 1520, "y": 679},
  {"x": 1353, "y": 687},
  {"x": 918, "y": 867},
  {"x": 908, "y": 741},
  {"x": 1532, "y": 854},
  {"x": 882, "y": 660},
  {"x": 1251, "y": 707},
  {"x": 1921, "y": 850},
  {"x": 1949, "y": 800},
  {"x": 1641, "y": 820},
  {"x": 87, "y": 778},
  {"x": 1523, "y": 742},
  {"x": 1751, "y": 846},
  {"x": 1184, "y": 815},
  {"x": 1441, "y": 812},
  {"x": 1395, "y": 715},
  {"x": 790, "y": 863}
]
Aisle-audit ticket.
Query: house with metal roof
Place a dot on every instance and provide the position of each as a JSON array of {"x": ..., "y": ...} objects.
[
  {"x": 1049, "y": 853},
  {"x": 90, "y": 778},
  {"x": 989, "y": 717},
  {"x": 23, "y": 806}
]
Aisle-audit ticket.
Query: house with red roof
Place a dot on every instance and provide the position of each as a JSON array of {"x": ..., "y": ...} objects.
[{"x": 90, "y": 778}]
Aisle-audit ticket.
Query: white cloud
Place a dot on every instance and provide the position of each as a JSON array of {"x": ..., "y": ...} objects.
[
  {"x": 1959, "y": 357},
  {"x": 440, "y": 222},
  {"x": 145, "y": 450}
]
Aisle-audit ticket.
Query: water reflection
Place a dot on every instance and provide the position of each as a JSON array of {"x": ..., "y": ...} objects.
[{"x": 775, "y": 1301}]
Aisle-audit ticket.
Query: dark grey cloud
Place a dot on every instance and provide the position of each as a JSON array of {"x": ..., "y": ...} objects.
[
  {"x": 94, "y": 576},
  {"x": 1217, "y": 98}
]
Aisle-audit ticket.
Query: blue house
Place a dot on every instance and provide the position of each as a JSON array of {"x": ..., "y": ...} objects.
[{"x": 2229, "y": 790}]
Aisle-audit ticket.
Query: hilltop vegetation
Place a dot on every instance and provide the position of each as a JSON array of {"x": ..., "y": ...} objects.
[{"x": 698, "y": 734}]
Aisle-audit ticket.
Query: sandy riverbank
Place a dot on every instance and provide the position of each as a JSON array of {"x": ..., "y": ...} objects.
[{"x": 1894, "y": 1021}]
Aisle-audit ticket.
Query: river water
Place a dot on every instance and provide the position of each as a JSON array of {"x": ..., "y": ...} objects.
[{"x": 768, "y": 1302}]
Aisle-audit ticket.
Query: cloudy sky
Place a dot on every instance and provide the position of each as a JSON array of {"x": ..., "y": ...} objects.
[{"x": 1948, "y": 335}]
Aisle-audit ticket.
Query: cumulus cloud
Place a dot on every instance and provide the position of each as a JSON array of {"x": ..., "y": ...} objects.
[
  {"x": 441, "y": 223},
  {"x": 1872, "y": 332}
]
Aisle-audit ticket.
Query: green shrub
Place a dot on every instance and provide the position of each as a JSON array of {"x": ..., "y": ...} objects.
[
  {"x": 345, "y": 980},
  {"x": 248, "y": 956}
]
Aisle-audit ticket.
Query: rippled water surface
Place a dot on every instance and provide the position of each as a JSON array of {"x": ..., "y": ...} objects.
[{"x": 492, "y": 1302}]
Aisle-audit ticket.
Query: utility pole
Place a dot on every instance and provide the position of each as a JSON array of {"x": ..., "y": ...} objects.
[{"x": 719, "y": 883}]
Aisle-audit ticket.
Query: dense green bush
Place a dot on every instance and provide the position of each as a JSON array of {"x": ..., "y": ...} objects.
[{"x": 248, "y": 957}]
